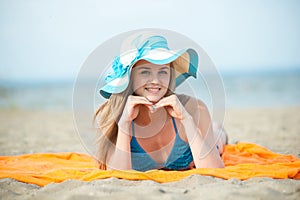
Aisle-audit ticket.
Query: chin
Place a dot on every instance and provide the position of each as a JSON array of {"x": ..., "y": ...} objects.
[{"x": 154, "y": 99}]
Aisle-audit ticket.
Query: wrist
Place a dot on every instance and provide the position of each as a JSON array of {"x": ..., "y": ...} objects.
[
  {"x": 123, "y": 140},
  {"x": 124, "y": 126},
  {"x": 186, "y": 116}
]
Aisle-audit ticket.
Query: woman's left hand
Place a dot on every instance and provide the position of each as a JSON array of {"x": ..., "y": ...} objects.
[{"x": 173, "y": 107}]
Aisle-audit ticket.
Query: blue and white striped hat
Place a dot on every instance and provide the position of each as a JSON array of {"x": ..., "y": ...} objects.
[{"x": 153, "y": 49}]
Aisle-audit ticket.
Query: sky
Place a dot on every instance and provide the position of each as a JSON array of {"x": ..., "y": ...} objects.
[{"x": 51, "y": 39}]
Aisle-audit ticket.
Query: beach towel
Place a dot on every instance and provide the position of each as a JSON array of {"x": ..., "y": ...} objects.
[{"x": 242, "y": 161}]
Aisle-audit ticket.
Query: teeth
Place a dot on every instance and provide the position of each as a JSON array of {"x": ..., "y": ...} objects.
[{"x": 153, "y": 89}]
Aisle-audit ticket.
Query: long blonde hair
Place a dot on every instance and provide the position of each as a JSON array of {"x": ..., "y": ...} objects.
[{"x": 109, "y": 114}]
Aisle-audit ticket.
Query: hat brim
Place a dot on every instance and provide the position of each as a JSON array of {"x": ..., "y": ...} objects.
[{"x": 185, "y": 63}]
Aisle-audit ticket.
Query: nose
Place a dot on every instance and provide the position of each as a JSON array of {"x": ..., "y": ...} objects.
[{"x": 154, "y": 78}]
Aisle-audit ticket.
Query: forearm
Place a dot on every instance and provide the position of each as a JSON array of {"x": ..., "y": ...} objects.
[
  {"x": 120, "y": 157},
  {"x": 203, "y": 148}
]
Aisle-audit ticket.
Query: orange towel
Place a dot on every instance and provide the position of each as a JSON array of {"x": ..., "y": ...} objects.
[{"x": 242, "y": 161}]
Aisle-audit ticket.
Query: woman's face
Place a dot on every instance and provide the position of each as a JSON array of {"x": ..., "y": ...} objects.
[{"x": 151, "y": 80}]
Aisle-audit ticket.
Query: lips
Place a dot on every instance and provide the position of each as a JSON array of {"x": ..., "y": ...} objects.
[{"x": 153, "y": 90}]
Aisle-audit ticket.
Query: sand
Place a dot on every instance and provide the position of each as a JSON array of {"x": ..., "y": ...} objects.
[{"x": 24, "y": 131}]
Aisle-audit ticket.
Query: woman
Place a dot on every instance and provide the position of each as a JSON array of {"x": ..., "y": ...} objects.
[{"x": 144, "y": 124}]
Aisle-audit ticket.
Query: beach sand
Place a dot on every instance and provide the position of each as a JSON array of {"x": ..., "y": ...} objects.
[{"x": 24, "y": 131}]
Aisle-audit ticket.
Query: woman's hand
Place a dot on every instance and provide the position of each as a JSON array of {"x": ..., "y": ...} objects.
[
  {"x": 131, "y": 110},
  {"x": 174, "y": 107}
]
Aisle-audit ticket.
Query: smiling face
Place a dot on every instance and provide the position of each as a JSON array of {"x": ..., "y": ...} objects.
[{"x": 151, "y": 80}]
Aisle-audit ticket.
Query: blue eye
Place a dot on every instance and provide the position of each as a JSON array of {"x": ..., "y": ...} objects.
[
  {"x": 163, "y": 72},
  {"x": 145, "y": 72}
]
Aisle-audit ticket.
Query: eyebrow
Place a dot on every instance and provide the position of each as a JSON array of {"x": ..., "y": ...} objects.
[
  {"x": 165, "y": 68},
  {"x": 143, "y": 68},
  {"x": 162, "y": 68}
]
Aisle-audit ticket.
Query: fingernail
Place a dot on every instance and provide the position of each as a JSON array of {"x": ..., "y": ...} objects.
[{"x": 152, "y": 110}]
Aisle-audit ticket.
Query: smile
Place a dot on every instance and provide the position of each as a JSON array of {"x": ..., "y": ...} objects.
[{"x": 153, "y": 90}]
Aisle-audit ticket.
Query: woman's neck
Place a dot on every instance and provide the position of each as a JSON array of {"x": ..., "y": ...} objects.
[{"x": 145, "y": 117}]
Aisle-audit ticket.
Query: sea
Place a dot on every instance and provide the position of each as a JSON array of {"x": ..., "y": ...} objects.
[{"x": 279, "y": 88}]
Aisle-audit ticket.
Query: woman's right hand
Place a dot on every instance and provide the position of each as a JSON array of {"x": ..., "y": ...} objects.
[{"x": 131, "y": 110}]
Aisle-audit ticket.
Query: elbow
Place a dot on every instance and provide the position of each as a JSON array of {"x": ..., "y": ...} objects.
[{"x": 212, "y": 161}]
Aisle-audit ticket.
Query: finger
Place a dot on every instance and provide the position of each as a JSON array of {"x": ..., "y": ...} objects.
[
  {"x": 172, "y": 104},
  {"x": 153, "y": 108},
  {"x": 169, "y": 100},
  {"x": 164, "y": 102},
  {"x": 140, "y": 100}
]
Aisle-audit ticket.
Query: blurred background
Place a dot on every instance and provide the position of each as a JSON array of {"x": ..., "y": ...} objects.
[{"x": 255, "y": 45}]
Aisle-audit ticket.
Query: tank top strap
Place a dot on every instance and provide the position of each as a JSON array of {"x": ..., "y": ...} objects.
[
  {"x": 132, "y": 128},
  {"x": 175, "y": 126}
]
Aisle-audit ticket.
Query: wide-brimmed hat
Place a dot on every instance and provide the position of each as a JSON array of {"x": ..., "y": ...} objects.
[{"x": 154, "y": 49}]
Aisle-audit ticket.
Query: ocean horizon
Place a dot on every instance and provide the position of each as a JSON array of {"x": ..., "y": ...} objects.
[{"x": 243, "y": 89}]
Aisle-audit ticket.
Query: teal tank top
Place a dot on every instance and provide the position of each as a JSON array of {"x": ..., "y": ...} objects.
[{"x": 179, "y": 158}]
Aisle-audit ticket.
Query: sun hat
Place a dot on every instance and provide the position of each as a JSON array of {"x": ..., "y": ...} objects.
[{"x": 154, "y": 49}]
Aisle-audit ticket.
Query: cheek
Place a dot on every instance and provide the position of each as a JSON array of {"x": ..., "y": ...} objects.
[
  {"x": 138, "y": 83},
  {"x": 166, "y": 82}
]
